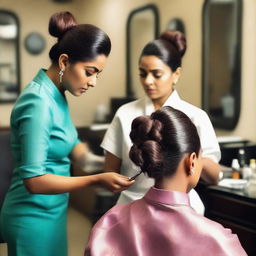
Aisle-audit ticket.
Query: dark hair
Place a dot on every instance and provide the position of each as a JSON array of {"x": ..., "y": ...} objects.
[
  {"x": 82, "y": 42},
  {"x": 170, "y": 48},
  {"x": 161, "y": 140}
]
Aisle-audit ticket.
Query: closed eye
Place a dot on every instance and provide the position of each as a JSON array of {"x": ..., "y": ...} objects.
[
  {"x": 88, "y": 73},
  {"x": 157, "y": 74},
  {"x": 142, "y": 74}
]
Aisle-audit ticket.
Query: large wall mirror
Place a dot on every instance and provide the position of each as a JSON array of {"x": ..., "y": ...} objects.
[
  {"x": 9, "y": 57},
  {"x": 221, "y": 69},
  {"x": 142, "y": 27}
]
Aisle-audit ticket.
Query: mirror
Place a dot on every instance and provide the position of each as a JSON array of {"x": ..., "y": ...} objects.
[
  {"x": 9, "y": 57},
  {"x": 142, "y": 27},
  {"x": 221, "y": 69}
]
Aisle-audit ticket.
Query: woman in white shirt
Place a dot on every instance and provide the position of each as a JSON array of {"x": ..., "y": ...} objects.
[{"x": 160, "y": 69}]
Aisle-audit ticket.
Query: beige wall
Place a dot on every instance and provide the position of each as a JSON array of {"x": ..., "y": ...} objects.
[
  {"x": 33, "y": 16},
  {"x": 111, "y": 16}
]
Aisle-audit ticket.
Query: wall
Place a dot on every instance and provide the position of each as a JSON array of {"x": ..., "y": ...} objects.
[
  {"x": 111, "y": 16},
  {"x": 33, "y": 16}
]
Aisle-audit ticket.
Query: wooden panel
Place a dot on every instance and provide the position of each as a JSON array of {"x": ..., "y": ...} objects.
[
  {"x": 227, "y": 207},
  {"x": 233, "y": 210}
]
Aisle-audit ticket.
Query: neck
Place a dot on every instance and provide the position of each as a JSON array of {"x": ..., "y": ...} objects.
[
  {"x": 158, "y": 103},
  {"x": 53, "y": 74},
  {"x": 171, "y": 185},
  {"x": 176, "y": 182}
]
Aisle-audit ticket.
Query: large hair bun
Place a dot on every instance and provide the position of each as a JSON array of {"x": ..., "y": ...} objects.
[
  {"x": 146, "y": 151},
  {"x": 176, "y": 38},
  {"x": 144, "y": 128},
  {"x": 161, "y": 140},
  {"x": 60, "y": 23}
]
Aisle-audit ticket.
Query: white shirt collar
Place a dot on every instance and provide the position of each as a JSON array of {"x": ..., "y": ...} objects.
[{"x": 173, "y": 100}]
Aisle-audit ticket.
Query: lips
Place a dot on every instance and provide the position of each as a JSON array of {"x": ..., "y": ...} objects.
[
  {"x": 150, "y": 91},
  {"x": 83, "y": 90}
]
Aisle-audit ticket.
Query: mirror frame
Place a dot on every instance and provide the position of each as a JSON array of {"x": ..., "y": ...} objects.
[
  {"x": 17, "y": 49},
  {"x": 222, "y": 123},
  {"x": 129, "y": 79}
]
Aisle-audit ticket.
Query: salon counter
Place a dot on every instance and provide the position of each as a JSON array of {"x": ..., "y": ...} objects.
[{"x": 233, "y": 209}]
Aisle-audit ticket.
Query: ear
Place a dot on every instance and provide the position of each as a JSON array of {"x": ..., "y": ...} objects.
[
  {"x": 190, "y": 163},
  {"x": 178, "y": 71},
  {"x": 63, "y": 61},
  {"x": 177, "y": 74}
]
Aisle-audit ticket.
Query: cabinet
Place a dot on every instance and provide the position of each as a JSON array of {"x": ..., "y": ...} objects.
[{"x": 234, "y": 210}]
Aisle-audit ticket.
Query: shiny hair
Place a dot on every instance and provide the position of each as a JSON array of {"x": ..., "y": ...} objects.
[
  {"x": 161, "y": 140},
  {"x": 81, "y": 42},
  {"x": 170, "y": 48}
]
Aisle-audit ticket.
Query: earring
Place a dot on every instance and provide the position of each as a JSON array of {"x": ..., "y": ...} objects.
[
  {"x": 61, "y": 74},
  {"x": 192, "y": 171},
  {"x": 174, "y": 84}
]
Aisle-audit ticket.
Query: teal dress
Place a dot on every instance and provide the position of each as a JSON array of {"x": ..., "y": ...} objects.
[{"x": 43, "y": 136}]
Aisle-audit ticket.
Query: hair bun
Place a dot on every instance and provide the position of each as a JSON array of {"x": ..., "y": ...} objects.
[
  {"x": 176, "y": 38},
  {"x": 60, "y": 23},
  {"x": 141, "y": 127}
]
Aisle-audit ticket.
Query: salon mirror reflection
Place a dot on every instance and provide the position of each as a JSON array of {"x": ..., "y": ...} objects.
[
  {"x": 9, "y": 57},
  {"x": 142, "y": 27},
  {"x": 222, "y": 61}
]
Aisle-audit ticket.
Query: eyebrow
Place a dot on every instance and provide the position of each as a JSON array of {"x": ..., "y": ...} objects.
[
  {"x": 152, "y": 70},
  {"x": 95, "y": 69}
]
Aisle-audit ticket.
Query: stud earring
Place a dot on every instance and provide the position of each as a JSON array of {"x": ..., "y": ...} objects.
[
  {"x": 192, "y": 171},
  {"x": 61, "y": 74}
]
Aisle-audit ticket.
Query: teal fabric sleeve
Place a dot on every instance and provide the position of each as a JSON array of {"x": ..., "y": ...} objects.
[
  {"x": 34, "y": 125},
  {"x": 77, "y": 142}
]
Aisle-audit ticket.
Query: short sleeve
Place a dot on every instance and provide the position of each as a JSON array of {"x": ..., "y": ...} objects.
[
  {"x": 113, "y": 139},
  {"x": 77, "y": 141},
  {"x": 209, "y": 143},
  {"x": 33, "y": 121}
]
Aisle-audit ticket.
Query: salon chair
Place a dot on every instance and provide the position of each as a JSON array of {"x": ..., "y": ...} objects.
[{"x": 6, "y": 167}]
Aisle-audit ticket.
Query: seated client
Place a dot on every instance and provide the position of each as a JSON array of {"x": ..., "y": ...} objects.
[{"x": 166, "y": 146}]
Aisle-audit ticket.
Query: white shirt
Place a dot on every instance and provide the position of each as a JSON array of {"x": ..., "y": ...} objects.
[{"x": 117, "y": 142}]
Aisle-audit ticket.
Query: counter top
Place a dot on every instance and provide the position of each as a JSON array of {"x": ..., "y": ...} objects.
[{"x": 239, "y": 193}]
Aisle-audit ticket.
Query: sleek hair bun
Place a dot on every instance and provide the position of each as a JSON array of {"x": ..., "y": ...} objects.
[
  {"x": 161, "y": 140},
  {"x": 169, "y": 47},
  {"x": 60, "y": 23},
  {"x": 81, "y": 42},
  {"x": 176, "y": 38}
]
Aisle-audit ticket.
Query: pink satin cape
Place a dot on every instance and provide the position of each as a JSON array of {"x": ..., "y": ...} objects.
[{"x": 161, "y": 223}]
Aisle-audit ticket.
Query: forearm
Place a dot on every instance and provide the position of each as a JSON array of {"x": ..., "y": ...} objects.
[
  {"x": 210, "y": 172},
  {"x": 56, "y": 184}
]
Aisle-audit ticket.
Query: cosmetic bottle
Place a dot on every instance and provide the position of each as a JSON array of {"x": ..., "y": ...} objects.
[
  {"x": 241, "y": 157},
  {"x": 235, "y": 169}
]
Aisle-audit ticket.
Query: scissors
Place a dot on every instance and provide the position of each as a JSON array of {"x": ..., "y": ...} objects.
[{"x": 135, "y": 176}]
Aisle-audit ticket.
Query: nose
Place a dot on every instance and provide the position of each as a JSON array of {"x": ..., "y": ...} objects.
[
  {"x": 149, "y": 79},
  {"x": 92, "y": 81}
]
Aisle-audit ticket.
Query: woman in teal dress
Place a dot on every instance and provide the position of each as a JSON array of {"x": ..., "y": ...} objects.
[{"x": 33, "y": 216}]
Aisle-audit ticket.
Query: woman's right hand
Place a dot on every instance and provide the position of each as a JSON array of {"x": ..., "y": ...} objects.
[{"x": 114, "y": 182}]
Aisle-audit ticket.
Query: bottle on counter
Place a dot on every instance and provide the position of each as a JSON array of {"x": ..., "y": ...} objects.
[
  {"x": 248, "y": 171},
  {"x": 245, "y": 170},
  {"x": 253, "y": 165},
  {"x": 235, "y": 169},
  {"x": 250, "y": 187},
  {"x": 241, "y": 157}
]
